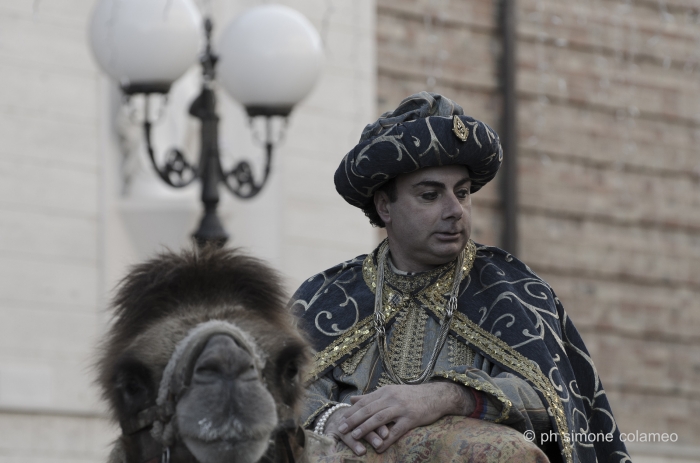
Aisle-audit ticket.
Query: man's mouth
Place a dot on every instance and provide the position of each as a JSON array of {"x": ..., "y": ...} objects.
[{"x": 448, "y": 234}]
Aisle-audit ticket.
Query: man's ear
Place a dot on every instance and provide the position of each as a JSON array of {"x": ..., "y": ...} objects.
[{"x": 382, "y": 204}]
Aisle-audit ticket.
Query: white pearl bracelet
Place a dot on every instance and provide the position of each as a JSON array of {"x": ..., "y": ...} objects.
[{"x": 321, "y": 423}]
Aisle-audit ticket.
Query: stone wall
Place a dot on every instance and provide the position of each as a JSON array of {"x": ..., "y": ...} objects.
[
  {"x": 50, "y": 261},
  {"x": 609, "y": 174},
  {"x": 69, "y": 228}
]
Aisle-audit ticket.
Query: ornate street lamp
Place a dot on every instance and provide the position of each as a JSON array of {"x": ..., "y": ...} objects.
[{"x": 269, "y": 59}]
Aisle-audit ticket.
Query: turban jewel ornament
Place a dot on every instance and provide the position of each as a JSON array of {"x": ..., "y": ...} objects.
[{"x": 426, "y": 130}]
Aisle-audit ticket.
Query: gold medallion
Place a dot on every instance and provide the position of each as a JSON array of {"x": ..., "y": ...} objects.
[{"x": 459, "y": 128}]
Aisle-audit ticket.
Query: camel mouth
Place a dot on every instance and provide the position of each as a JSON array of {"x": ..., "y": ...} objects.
[
  {"x": 233, "y": 441},
  {"x": 227, "y": 451},
  {"x": 232, "y": 430}
]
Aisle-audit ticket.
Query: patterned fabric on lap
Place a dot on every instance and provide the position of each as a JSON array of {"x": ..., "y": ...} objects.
[{"x": 451, "y": 439}]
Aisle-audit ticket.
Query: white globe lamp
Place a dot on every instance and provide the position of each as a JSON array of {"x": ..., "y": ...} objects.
[
  {"x": 146, "y": 45},
  {"x": 270, "y": 57}
]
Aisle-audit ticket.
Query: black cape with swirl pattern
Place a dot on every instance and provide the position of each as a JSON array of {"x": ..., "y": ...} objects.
[{"x": 508, "y": 314}]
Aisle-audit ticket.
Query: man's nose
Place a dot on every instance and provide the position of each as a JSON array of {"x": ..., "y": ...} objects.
[{"x": 452, "y": 209}]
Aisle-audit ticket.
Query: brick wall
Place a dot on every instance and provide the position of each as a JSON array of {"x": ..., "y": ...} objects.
[
  {"x": 449, "y": 48},
  {"x": 609, "y": 172}
]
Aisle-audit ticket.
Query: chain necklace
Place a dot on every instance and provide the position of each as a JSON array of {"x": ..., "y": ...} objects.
[{"x": 379, "y": 320}]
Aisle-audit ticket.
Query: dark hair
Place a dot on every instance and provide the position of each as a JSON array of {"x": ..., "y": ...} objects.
[{"x": 371, "y": 211}]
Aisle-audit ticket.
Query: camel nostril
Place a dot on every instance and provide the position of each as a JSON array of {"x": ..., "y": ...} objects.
[
  {"x": 249, "y": 373},
  {"x": 208, "y": 370}
]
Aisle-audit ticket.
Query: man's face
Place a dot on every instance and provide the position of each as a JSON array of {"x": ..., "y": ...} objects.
[{"x": 430, "y": 222}]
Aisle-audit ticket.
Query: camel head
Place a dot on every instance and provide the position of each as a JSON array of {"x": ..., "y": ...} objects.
[{"x": 203, "y": 362}]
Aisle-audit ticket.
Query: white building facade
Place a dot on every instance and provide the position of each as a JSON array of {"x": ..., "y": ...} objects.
[{"x": 79, "y": 204}]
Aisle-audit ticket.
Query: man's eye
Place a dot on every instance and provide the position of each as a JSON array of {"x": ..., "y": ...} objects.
[
  {"x": 429, "y": 196},
  {"x": 462, "y": 194}
]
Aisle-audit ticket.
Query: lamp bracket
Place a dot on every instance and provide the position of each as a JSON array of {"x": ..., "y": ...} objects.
[
  {"x": 240, "y": 180},
  {"x": 176, "y": 171}
]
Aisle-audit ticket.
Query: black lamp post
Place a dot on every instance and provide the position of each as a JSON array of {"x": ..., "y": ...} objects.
[{"x": 256, "y": 42}]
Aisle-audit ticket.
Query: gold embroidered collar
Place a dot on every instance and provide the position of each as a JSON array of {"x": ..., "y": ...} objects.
[{"x": 412, "y": 284}]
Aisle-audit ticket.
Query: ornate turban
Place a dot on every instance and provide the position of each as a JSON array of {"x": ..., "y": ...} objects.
[{"x": 426, "y": 130}]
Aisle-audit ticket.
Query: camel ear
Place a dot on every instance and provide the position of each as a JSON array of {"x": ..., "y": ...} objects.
[{"x": 118, "y": 454}]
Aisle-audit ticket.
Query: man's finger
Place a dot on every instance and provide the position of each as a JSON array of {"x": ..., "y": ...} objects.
[
  {"x": 359, "y": 414},
  {"x": 374, "y": 439},
  {"x": 374, "y": 422},
  {"x": 357, "y": 447},
  {"x": 395, "y": 433}
]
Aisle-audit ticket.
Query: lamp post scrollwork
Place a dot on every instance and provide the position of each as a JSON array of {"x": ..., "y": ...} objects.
[{"x": 243, "y": 57}]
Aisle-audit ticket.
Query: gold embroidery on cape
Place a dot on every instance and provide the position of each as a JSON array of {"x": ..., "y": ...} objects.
[
  {"x": 406, "y": 347},
  {"x": 350, "y": 365},
  {"x": 345, "y": 344},
  {"x": 460, "y": 353},
  {"x": 383, "y": 380},
  {"x": 481, "y": 386},
  {"x": 407, "y": 352},
  {"x": 510, "y": 358}
]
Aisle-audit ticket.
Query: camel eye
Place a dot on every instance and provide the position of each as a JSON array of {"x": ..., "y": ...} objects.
[
  {"x": 289, "y": 363},
  {"x": 133, "y": 386},
  {"x": 291, "y": 371}
]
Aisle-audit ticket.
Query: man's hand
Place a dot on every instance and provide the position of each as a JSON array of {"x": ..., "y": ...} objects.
[
  {"x": 375, "y": 437},
  {"x": 385, "y": 415}
]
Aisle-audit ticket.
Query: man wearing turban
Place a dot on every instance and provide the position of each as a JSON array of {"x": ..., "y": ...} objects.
[{"x": 433, "y": 347}]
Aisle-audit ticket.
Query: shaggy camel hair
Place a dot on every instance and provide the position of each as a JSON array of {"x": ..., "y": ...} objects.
[{"x": 203, "y": 362}]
